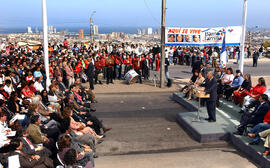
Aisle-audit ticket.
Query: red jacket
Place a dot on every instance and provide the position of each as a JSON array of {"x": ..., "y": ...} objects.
[
  {"x": 267, "y": 117},
  {"x": 118, "y": 61},
  {"x": 98, "y": 65},
  {"x": 128, "y": 61},
  {"x": 109, "y": 64},
  {"x": 136, "y": 64}
]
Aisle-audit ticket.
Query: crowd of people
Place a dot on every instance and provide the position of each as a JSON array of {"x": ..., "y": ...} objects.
[{"x": 239, "y": 89}]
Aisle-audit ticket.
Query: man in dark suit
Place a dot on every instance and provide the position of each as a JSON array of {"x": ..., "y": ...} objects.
[
  {"x": 146, "y": 68},
  {"x": 255, "y": 117},
  {"x": 90, "y": 73},
  {"x": 211, "y": 88},
  {"x": 256, "y": 55}
]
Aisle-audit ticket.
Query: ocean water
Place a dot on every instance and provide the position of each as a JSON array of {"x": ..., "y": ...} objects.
[{"x": 102, "y": 30}]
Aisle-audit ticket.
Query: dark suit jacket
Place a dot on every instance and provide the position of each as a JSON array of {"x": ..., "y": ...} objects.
[
  {"x": 259, "y": 112},
  {"x": 62, "y": 86},
  {"x": 211, "y": 88},
  {"x": 90, "y": 70}
]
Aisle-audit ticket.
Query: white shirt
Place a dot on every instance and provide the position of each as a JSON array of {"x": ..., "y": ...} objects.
[
  {"x": 38, "y": 86},
  {"x": 8, "y": 89},
  {"x": 227, "y": 77}
]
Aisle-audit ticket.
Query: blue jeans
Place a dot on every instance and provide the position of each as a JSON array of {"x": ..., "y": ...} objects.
[{"x": 257, "y": 129}]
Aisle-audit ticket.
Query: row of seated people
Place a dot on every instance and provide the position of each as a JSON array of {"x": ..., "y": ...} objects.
[
  {"x": 253, "y": 100},
  {"x": 58, "y": 128}
]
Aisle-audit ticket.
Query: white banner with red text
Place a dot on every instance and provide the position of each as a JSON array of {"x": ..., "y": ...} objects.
[{"x": 203, "y": 36}]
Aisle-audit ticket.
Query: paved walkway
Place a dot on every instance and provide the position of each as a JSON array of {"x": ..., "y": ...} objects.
[{"x": 122, "y": 87}]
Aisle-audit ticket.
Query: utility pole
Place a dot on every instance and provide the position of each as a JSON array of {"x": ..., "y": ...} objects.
[
  {"x": 241, "y": 65},
  {"x": 91, "y": 27},
  {"x": 91, "y": 30},
  {"x": 45, "y": 43},
  {"x": 162, "y": 62}
]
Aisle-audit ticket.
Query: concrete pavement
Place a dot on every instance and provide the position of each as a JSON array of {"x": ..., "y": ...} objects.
[{"x": 202, "y": 158}]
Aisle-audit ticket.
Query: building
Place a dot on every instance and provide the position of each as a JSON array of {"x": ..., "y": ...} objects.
[
  {"x": 159, "y": 31},
  {"x": 81, "y": 34},
  {"x": 139, "y": 32},
  {"x": 54, "y": 31},
  {"x": 29, "y": 30},
  {"x": 143, "y": 31},
  {"x": 149, "y": 31},
  {"x": 95, "y": 29}
]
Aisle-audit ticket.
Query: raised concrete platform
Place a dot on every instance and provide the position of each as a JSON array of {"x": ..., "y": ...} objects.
[
  {"x": 227, "y": 118},
  {"x": 204, "y": 131}
]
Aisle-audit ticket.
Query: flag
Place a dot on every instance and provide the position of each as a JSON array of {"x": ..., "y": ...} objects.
[{"x": 223, "y": 53}]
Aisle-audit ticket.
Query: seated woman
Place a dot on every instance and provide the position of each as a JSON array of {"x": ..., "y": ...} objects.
[
  {"x": 196, "y": 84},
  {"x": 237, "y": 82},
  {"x": 192, "y": 80},
  {"x": 65, "y": 144},
  {"x": 15, "y": 107},
  {"x": 53, "y": 99},
  {"x": 83, "y": 116},
  {"x": 254, "y": 94},
  {"x": 79, "y": 127},
  {"x": 27, "y": 93},
  {"x": 243, "y": 90},
  {"x": 217, "y": 73},
  {"x": 226, "y": 81}
]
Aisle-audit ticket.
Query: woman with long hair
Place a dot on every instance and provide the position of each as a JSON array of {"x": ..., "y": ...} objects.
[{"x": 243, "y": 90}]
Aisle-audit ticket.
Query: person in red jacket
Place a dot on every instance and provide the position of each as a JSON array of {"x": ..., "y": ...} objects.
[
  {"x": 118, "y": 67},
  {"x": 98, "y": 69},
  {"x": 109, "y": 66},
  {"x": 157, "y": 61},
  {"x": 136, "y": 65},
  {"x": 128, "y": 64}
]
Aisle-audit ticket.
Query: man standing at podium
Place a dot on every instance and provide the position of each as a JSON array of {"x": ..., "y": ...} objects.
[{"x": 211, "y": 88}]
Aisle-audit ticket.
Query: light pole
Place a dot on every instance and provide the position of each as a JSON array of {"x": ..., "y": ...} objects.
[
  {"x": 241, "y": 65},
  {"x": 162, "y": 62},
  {"x": 45, "y": 43},
  {"x": 91, "y": 26}
]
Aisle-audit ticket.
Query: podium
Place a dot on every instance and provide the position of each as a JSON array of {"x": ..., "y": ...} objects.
[{"x": 200, "y": 94}]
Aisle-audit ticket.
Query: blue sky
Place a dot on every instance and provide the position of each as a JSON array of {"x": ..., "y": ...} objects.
[{"x": 134, "y": 13}]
